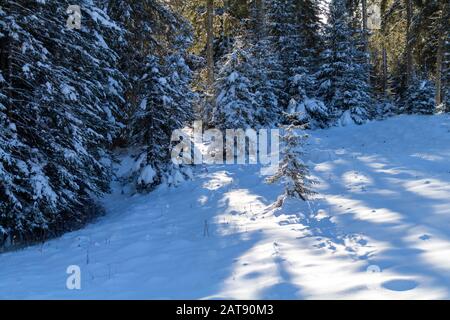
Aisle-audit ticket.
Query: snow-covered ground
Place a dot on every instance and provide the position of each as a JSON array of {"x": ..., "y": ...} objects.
[{"x": 380, "y": 228}]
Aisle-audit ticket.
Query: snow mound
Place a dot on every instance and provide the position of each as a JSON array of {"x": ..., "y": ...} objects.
[{"x": 147, "y": 175}]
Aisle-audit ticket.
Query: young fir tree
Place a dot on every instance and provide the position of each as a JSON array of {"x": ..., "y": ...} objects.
[
  {"x": 147, "y": 123},
  {"x": 159, "y": 96},
  {"x": 283, "y": 32},
  {"x": 421, "y": 97},
  {"x": 343, "y": 75},
  {"x": 166, "y": 105},
  {"x": 235, "y": 101},
  {"x": 294, "y": 29},
  {"x": 62, "y": 92},
  {"x": 309, "y": 27},
  {"x": 292, "y": 172},
  {"x": 267, "y": 67},
  {"x": 310, "y": 111},
  {"x": 267, "y": 87},
  {"x": 251, "y": 83},
  {"x": 152, "y": 30}
]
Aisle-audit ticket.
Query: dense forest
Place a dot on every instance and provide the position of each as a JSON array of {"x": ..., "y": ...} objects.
[{"x": 134, "y": 71}]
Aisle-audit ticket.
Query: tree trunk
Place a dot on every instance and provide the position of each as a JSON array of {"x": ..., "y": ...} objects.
[
  {"x": 226, "y": 22},
  {"x": 384, "y": 50},
  {"x": 259, "y": 19},
  {"x": 440, "y": 52},
  {"x": 438, "y": 98},
  {"x": 409, "y": 62},
  {"x": 210, "y": 41},
  {"x": 385, "y": 71},
  {"x": 4, "y": 57},
  {"x": 364, "y": 23},
  {"x": 6, "y": 70},
  {"x": 365, "y": 35}
]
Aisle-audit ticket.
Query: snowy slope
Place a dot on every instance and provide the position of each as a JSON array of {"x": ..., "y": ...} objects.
[{"x": 384, "y": 205}]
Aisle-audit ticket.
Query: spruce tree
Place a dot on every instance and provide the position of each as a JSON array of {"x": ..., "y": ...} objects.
[
  {"x": 343, "y": 75},
  {"x": 267, "y": 86},
  {"x": 166, "y": 105},
  {"x": 159, "y": 98},
  {"x": 62, "y": 92},
  {"x": 309, "y": 27},
  {"x": 292, "y": 172},
  {"x": 294, "y": 29},
  {"x": 283, "y": 32},
  {"x": 420, "y": 97},
  {"x": 235, "y": 103}
]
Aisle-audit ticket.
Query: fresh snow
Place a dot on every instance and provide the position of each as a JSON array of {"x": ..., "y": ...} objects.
[
  {"x": 147, "y": 175},
  {"x": 69, "y": 92},
  {"x": 379, "y": 228},
  {"x": 346, "y": 119}
]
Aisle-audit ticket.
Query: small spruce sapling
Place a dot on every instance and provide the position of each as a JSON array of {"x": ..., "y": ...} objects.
[{"x": 292, "y": 171}]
